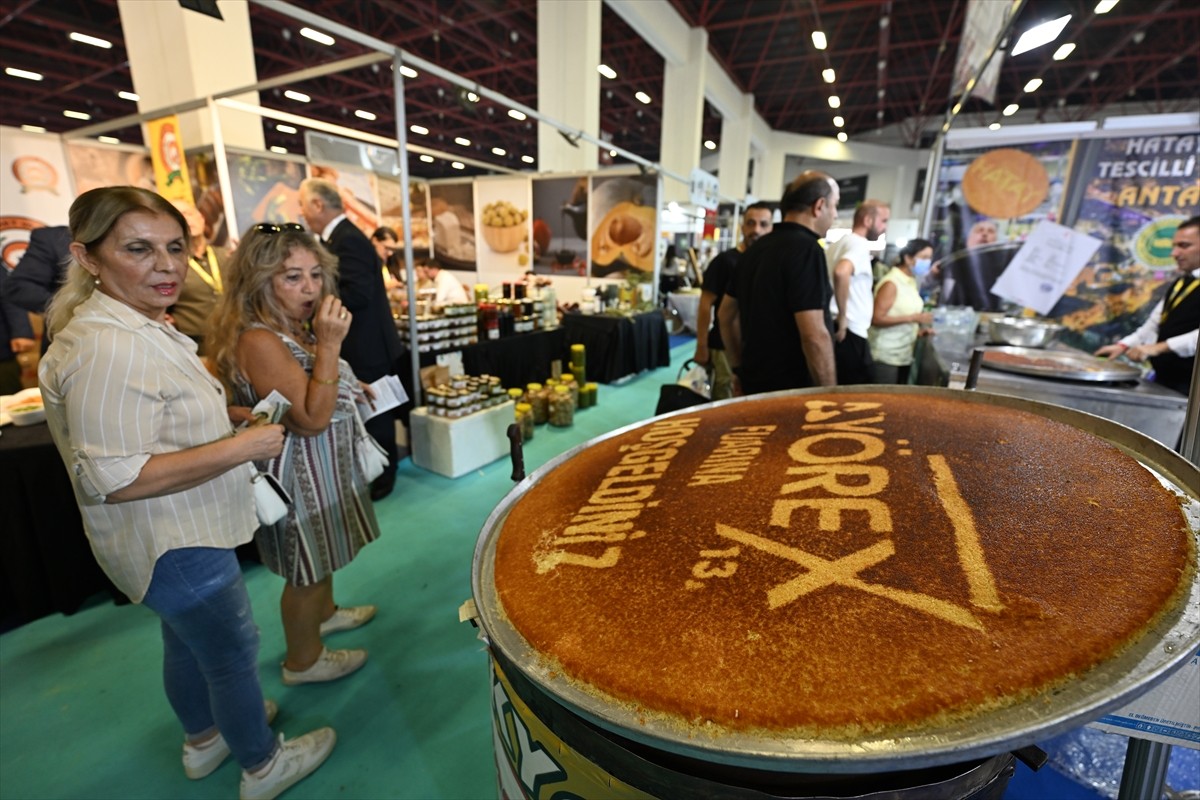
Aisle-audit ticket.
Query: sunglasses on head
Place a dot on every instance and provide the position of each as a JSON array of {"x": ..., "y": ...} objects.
[{"x": 279, "y": 227}]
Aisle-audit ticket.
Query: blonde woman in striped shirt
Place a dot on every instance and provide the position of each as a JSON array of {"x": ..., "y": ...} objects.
[{"x": 162, "y": 482}]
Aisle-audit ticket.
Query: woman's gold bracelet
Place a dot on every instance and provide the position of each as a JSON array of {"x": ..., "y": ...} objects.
[{"x": 315, "y": 379}]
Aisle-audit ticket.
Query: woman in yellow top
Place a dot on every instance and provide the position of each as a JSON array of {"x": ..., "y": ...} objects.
[{"x": 899, "y": 313}]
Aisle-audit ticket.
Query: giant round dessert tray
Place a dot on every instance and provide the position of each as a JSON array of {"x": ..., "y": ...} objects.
[
  {"x": 1074, "y": 365},
  {"x": 1113, "y": 683}
]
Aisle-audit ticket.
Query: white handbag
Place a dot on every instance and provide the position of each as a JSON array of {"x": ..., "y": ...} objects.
[
  {"x": 372, "y": 458},
  {"x": 271, "y": 500}
]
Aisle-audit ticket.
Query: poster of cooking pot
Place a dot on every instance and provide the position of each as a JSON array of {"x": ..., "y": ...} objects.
[
  {"x": 560, "y": 216},
  {"x": 503, "y": 222},
  {"x": 623, "y": 213},
  {"x": 357, "y": 189},
  {"x": 451, "y": 211},
  {"x": 264, "y": 189},
  {"x": 391, "y": 212}
]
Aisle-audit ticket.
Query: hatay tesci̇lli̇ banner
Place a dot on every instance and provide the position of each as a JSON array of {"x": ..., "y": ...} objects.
[{"x": 1131, "y": 193}]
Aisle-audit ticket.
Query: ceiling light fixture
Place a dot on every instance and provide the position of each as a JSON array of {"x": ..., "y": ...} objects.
[
  {"x": 418, "y": 129},
  {"x": 709, "y": 144},
  {"x": 458, "y": 165},
  {"x": 33, "y": 129},
  {"x": 367, "y": 115},
  {"x": 957, "y": 108},
  {"x": 1033, "y": 85},
  {"x": 1010, "y": 109},
  {"x": 645, "y": 98},
  {"x": 842, "y": 137},
  {"x": 527, "y": 159},
  {"x": 518, "y": 115},
  {"x": 1064, "y": 51},
  {"x": 23, "y": 73},
  {"x": 835, "y": 101},
  {"x": 607, "y": 71},
  {"x": 474, "y": 98},
  {"x": 108, "y": 139},
  {"x": 408, "y": 72},
  {"x": 499, "y": 151},
  {"x": 612, "y": 153},
  {"x": 277, "y": 149},
  {"x": 1105, "y": 6},
  {"x": 77, "y": 114},
  {"x": 285, "y": 129},
  {"x": 317, "y": 36},
  {"x": 427, "y": 159},
  {"x": 465, "y": 142},
  {"x": 828, "y": 75},
  {"x": 995, "y": 126},
  {"x": 299, "y": 97},
  {"x": 132, "y": 97},
  {"x": 94, "y": 41},
  {"x": 839, "y": 122},
  {"x": 819, "y": 40},
  {"x": 1039, "y": 35}
]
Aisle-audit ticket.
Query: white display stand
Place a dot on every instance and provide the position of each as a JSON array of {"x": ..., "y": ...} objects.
[{"x": 454, "y": 447}]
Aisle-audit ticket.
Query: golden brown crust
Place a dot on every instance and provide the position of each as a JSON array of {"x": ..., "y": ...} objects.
[{"x": 840, "y": 563}]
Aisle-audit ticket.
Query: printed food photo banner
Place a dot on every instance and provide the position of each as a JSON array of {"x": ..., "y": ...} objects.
[{"x": 36, "y": 190}]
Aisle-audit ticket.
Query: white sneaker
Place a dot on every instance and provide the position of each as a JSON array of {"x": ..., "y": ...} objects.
[
  {"x": 293, "y": 762},
  {"x": 346, "y": 619},
  {"x": 200, "y": 762},
  {"x": 331, "y": 665}
]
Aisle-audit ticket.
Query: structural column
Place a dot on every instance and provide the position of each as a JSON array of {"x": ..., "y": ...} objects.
[
  {"x": 568, "y": 83},
  {"x": 176, "y": 55},
  {"x": 734, "y": 154},
  {"x": 683, "y": 113}
]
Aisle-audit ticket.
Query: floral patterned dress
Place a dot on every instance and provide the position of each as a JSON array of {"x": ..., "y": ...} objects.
[{"x": 331, "y": 517}]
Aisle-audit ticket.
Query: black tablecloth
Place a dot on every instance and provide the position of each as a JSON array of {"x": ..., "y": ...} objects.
[
  {"x": 517, "y": 360},
  {"x": 47, "y": 564},
  {"x": 618, "y": 346}
]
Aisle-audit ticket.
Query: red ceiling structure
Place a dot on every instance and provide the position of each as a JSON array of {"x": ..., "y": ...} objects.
[{"x": 892, "y": 59}]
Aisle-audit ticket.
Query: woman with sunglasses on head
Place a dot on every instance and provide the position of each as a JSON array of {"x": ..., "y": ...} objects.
[
  {"x": 280, "y": 328},
  {"x": 162, "y": 482}
]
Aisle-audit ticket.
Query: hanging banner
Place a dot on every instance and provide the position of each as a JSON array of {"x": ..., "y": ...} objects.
[
  {"x": 34, "y": 192},
  {"x": 984, "y": 18},
  {"x": 166, "y": 153}
]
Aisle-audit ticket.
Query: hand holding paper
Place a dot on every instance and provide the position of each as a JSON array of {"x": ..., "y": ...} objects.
[{"x": 389, "y": 393}]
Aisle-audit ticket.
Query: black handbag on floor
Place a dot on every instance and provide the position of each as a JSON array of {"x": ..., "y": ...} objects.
[{"x": 674, "y": 396}]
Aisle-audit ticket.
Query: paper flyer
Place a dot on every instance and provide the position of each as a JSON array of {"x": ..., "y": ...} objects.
[
  {"x": 389, "y": 393},
  {"x": 1045, "y": 266}
]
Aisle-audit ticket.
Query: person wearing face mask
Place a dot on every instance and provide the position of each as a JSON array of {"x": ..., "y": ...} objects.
[{"x": 899, "y": 313}]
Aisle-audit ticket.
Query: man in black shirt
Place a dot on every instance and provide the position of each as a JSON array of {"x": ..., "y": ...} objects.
[
  {"x": 756, "y": 223},
  {"x": 775, "y": 318}
]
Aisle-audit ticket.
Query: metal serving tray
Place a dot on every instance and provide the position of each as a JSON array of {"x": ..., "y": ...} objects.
[
  {"x": 1074, "y": 365},
  {"x": 1108, "y": 686}
]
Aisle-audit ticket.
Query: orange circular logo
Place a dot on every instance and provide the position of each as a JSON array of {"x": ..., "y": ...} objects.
[{"x": 1005, "y": 183}]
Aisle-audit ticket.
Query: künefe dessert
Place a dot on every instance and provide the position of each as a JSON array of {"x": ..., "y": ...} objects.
[{"x": 838, "y": 564}]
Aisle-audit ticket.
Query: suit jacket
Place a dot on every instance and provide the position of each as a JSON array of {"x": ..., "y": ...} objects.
[
  {"x": 197, "y": 300},
  {"x": 372, "y": 345},
  {"x": 40, "y": 271}
]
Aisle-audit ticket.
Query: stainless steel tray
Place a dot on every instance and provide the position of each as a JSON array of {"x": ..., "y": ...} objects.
[
  {"x": 1110, "y": 685},
  {"x": 1074, "y": 365}
]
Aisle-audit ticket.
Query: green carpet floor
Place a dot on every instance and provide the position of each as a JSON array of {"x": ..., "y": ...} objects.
[{"x": 82, "y": 710}]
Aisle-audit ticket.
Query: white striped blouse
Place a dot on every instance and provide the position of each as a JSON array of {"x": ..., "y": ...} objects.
[{"x": 119, "y": 388}]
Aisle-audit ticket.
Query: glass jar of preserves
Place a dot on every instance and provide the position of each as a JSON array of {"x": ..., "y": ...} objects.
[
  {"x": 561, "y": 407},
  {"x": 535, "y": 395},
  {"x": 524, "y": 416}
]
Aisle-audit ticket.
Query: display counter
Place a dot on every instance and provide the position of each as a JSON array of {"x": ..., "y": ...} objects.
[
  {"x": 517, "y": 360},
  {"x": 454, "y": 447},
  {"x": 617, "y": 345},
  {"x": 1142, "y": 405}
]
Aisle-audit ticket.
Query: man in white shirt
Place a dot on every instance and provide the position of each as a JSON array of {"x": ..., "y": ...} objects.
[
  {"x": 1168, "y": 337},
  {"x": 849, "y": 260},
  {"x": 449, "y": 288}
]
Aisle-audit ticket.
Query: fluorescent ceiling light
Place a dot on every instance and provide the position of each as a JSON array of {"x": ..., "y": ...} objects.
[
  {"x": 427, "y": 159},
  {"x": 835, "y": 101},
  {"x": 464, "y": 141},
  {"x": 471, "y": 96},
  {"x": 408, "y": 72},
  {"x": 827, "y": 74},
  {"x": 606, "y": 71},
  {"x": 33, "y": 129},
  {"x": 421, "y": 129},
  {"x": 277, "y": 149},
  {"x": 358, "y": 112},
  {"x": 612, "y": 153},
  {"x": 1010, "y": 109},
  {"x": 709, "y": 144},
  {"x": 285, "y": 129},
  {"x": 995, "y": 126},
  {"x": 92, "y": 40},
  {"x": 458, "y": 165},
  {"x": 130, "y": 96},
  {"x": 512, "y": 112},
  {"x": 317, "y": 36},
  {"x": 527, "y": 159},
  {"x": 1105, "y": 6},
  {"x": 1039, "y": 35},
  {"x": 1033, "y": 85},
  {"x": 108, "y": 139},
  {"x": 645, "y": 98},
  {"x": 299, "y": 97},
  {"x": 500, "y": 151},
  {"x": 23, "y": 73},
  {"x": 1064, "y": 51},
  {"x": 842, "y": 136},
  {"x": 819, "y": 41},
  {"x": 839, "y": 122},
  {"x": 77, "y": 115}
]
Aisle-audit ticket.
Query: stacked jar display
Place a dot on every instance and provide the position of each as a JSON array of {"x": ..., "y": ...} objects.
[{"x": 464, "y": 395}]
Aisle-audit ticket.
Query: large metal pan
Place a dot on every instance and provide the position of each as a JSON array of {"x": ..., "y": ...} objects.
[
  {"x": 1110, "y": 685},
  {"x": 1074, "y": 365}
]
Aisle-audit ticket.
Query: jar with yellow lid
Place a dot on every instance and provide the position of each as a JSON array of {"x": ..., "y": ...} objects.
[
  {"x": 535, "y": 395},
  {"x": 524, "y": 416},
  {"x": 561, "y": 407}
]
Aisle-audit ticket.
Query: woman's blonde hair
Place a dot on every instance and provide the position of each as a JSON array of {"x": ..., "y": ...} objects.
[
  {"x": 91, "y": 218},
  {"x": 249, "y": 297}
]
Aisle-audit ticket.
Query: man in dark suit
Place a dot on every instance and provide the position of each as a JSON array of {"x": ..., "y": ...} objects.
[
  {"x": 40, "y": 271},
  {"x": 372, "y": 345}
]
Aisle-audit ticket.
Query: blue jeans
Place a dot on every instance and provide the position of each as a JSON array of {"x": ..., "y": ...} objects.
[{"x": 210, "y": 650}]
